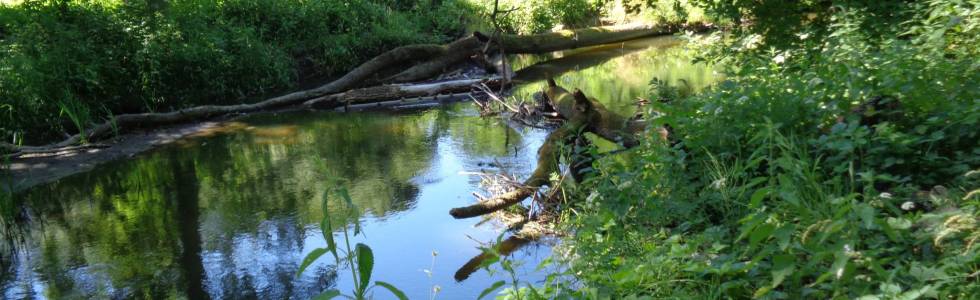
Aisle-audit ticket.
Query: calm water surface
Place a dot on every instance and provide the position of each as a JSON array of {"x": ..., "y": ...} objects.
[{"x": 231, "y": 212}]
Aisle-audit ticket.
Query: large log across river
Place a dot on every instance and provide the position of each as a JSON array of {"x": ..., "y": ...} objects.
[{"x": 404, "y": 64}]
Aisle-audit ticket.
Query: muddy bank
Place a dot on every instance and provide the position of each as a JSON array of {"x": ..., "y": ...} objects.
[{"x": 28, "y": 170}]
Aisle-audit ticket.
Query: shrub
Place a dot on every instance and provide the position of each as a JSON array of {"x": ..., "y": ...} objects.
[
  {"x": 111, "y": 57},
  {"x": 786, "y": 183}
]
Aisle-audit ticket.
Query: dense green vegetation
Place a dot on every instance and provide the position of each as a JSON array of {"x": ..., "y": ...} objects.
[
  {"x": 838, "y": 160},
  {"x": 67, "y": 64},
  {"x": 535, "y": 16}
]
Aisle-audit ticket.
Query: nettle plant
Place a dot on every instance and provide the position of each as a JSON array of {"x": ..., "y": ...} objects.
[{"x": 359, "y": 259}]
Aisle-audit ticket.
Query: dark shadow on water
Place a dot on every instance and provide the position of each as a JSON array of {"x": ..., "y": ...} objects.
[{"x": 505, "y": 248}]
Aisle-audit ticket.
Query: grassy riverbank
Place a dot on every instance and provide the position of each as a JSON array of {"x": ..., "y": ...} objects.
[{"x": 839, "y": 160}]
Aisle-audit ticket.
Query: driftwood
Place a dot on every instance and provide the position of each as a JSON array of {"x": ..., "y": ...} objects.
[
  {"x": 421, "y": 62},
  {"x": 582, "y": 114}
]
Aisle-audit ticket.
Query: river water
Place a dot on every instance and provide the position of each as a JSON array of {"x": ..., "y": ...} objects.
[{"x": 230, "y": 213}]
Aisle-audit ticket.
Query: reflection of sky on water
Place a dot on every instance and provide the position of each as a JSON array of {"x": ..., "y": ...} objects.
[{"x": 230, "y": 213}]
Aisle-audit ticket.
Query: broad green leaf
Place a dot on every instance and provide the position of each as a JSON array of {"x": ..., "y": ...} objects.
[
  {"x": 352, "y": 213},
  {"x": 837, "y": 269},
  {"x": 487, "y": 291},
  {"x": 398, "y": 293},
  {"x": 365, "y": 263},
  {"x": 890, "y": 289},
  {"x": 762, "y": 291},
  {"x": 310, "y": 258},
  {"x": 915, "y": 294},
  {"x": 760, "y": 233},
  {"x": 899, "y": 223},
  {"x": 867, "y": 214},
  {"x": 327, "y": 229},
  {"x": 543, "y": 264},
  {"x": 757, "y": 197},
  {"x": 327, "y": 295},
  {"x": 782, "y": 266}
]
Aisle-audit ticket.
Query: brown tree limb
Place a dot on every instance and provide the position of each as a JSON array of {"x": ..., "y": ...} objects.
[{"x": 435, "y": 59}]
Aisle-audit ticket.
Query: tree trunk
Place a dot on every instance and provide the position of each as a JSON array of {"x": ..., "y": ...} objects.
[
  {"x": 581, "y": 114},
  {"x": 406, "y": 93}
]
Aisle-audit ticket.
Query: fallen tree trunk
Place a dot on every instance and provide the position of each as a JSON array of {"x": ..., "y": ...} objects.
[
  {"x": 429, "y": 60},
  {"x": 581, "y": 114},
  {"x": 400, "y": 91},
  {"x": 547, "y": 164}
]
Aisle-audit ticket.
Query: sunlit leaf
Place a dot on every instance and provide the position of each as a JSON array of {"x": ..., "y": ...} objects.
[
  {"x": 365, "y": 263},
  {"x": 757, "y": 197},
  {"x": 310, "y": 258},
  {"x": 327, "y": 229},
  {"x": 487, "y": 291},
  {"x": 398, "y": 293},
  {"x": 327, "y": 295}
]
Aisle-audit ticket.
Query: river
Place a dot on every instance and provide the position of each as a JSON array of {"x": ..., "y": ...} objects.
[{"x": 230, "y": 213}]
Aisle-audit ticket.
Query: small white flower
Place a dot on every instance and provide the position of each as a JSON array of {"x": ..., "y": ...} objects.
[
  {"x": 908, "y": 205},
  {"x": 779, "y": 58},
  {"x": 885, "y": 195}
]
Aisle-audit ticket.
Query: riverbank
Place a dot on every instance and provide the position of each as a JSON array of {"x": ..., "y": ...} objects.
[
  {"x": 841, "y": 162},
  {"x": 236, "y": 212},
  {"x": 71, "y": 64}
]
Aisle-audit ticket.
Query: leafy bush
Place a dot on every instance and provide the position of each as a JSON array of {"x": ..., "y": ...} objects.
[
  {"x": 656, "y": 11},
  {"x": 849, "y": 170},
  {"x": 90, "y": 59},
  {"x": 537, "y": 16}
]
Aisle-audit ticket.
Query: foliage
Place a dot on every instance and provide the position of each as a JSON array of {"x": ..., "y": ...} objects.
[
  {"x": 656, "y": 11},
  {"x": 100, "y": 57},
  {"x": 844, "y": 168},
  {"x": 360, "y": 259},
  {"x": 536, "y": 16}
]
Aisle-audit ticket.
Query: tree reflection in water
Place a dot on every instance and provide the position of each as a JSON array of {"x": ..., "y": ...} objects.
[{"x": 231, "y": 213}]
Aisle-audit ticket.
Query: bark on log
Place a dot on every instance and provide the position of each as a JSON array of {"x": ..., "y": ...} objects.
[
  {"x": 571, "y": 39},
  {"x": 581, "y": 114},
  {"x": 492, "y": 205},
  {"x": 398, "y": 91},
  {"x": 547, "y": 164},
  {"x": 436, "y": 58}
]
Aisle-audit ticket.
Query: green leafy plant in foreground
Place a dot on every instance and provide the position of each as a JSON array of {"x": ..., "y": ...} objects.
[{"x": 359, "y": 259}]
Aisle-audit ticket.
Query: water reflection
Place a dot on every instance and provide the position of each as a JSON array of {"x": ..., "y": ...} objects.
[
  {"x": 617, "y": 82},
  {"x": 231, "y": 212}
]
